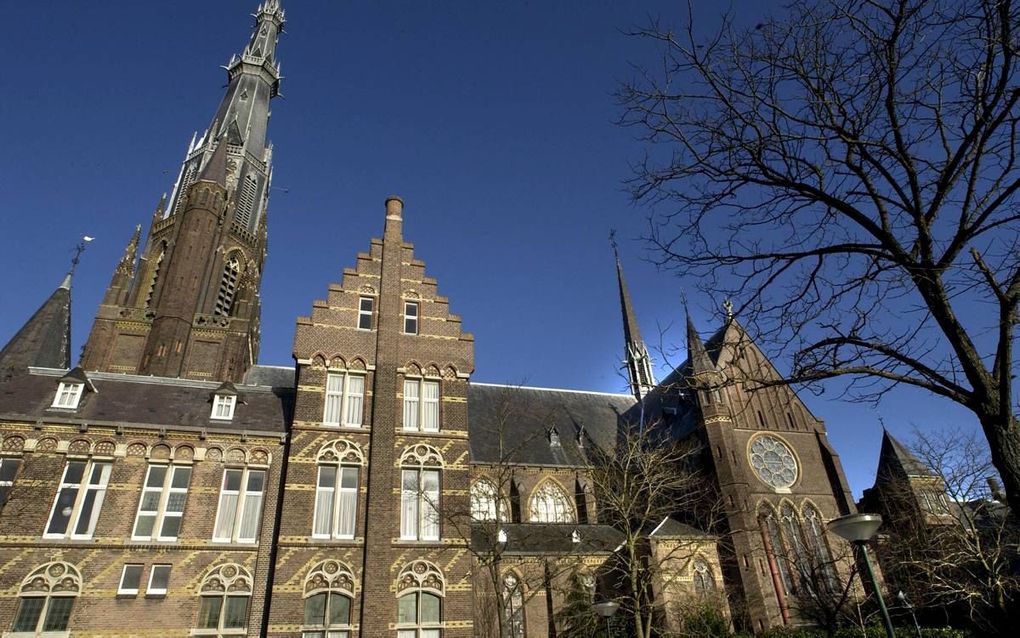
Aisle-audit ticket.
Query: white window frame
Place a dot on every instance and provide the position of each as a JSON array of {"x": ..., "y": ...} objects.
[
  {"x": 345, "y": 395},
  {"x": 223, "y": 407},
  {"x": 415, "y": 504},
  {"x": 220, "y": 630},
  {"x": 366, "y": 313},
  {"x": 157, "y": 591},
  {"x": 410, "y": 319},
  {"x": 240, "y": 507},
  {"x": 338, "y": 492},
  {"x": 130, "y": 591},
  {"x": 417, "y": 406},
  {"x": 84, "y": 488},
  {"x": 68, "y": 395},
  {"x": 160, "y": 513}
]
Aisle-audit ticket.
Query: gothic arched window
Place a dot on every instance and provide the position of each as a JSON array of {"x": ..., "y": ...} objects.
[
  {"x": 228, "y": 286},
  {"x": 420, "y": 589},
  {"x": 774, "y": 545},
  {"x": 336, "y": 491},
  {"x": 549, "y": 504},
  {"x": 796, "y": 552},
  {"x": 814, "y": 529},
  {"x": 46, "y": 598},
  {"x": 225, "y": 593},
  {"x": 420, "y": 468},
  {"x": 329, "y": 588},
  {"x": 513, "y": 607},
  {"x": 485, "y": 501},
  {"x": 704, "y": 582}
]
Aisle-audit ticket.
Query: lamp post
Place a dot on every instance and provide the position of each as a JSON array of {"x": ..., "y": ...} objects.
[
  {"x": 859, "y": 529},
  {"x": 606, "y": 609}
]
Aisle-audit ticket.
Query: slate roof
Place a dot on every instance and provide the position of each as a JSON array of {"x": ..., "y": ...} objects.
[
  {"x": 545, "y": 538},
  {"x": 271, "y": 376},
  {"x": 895, "y": 456},
  {"x": 672, "y": 528},
  {"x": 523, "y": 418},
  {"x": 128, "y": 400},
  {"x": 44, "y": 340}
]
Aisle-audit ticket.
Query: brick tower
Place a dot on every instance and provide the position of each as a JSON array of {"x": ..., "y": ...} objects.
[
  {"x": 378, "y": 465},
  {"x": 189, "y": 306}
]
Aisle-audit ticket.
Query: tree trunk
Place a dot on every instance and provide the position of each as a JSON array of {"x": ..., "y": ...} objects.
[{"x": 1004, "y": 440}]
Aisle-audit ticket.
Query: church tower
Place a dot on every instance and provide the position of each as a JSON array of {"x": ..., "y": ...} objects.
[
  {"x": 638, "y": 362},
  {"x": 189, "y": 306}
]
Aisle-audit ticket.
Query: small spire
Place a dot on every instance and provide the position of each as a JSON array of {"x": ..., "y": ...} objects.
[
  {"x": 44, "y": 340},
  {"x": 215, "y": 170},
  {"x": 639, "y": 363},
  {"x": 127, "y": 261},
  {"x": 697, "y": 354}
]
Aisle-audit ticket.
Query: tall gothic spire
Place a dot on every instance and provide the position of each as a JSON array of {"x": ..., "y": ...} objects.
[
  {"x": 190, "y": 308},
  {"x": 697, "y": 354},
  {"x": 639, "y": 363}
]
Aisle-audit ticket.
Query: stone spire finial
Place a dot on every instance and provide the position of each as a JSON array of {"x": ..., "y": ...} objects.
[{"x": 638, "y": 361}]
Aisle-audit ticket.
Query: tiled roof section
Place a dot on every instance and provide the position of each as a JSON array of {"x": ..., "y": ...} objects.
[
  {"x": 548, "y": 538},
  {"x": 270, "y": 376},
  {"x": 146, "y": 401},
  {"x": 523, "y": 417},
  {"x": 672, "y": 528},
  {"x": 897, "y": 458},
  {"x": 44, "y": 340}
]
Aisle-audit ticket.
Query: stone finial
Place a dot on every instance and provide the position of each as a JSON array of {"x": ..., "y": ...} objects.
[{"x": 394, "y": 207}]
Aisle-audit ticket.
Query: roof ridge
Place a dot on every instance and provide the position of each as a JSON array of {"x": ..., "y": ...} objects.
[{"x": 625, "y": 395}]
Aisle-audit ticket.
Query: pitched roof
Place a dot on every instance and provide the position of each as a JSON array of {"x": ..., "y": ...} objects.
[
  {"x": 44, "y": 340},
  {"x": 546, "y": 538},
  {"x": 133, "y": 400},
  {"x": 897, "y": 458},
  {"x": 521, "y": 419},
  {"x": 672, "y": 528}
]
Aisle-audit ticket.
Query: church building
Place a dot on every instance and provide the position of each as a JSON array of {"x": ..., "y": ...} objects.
[{"x": 168, "y": 485}]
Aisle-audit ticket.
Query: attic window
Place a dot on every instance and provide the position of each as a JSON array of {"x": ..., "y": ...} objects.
[
  {"x": 554, "y": 437},
  {"x": 68, "y": 395},
  {"x": 223, "y": 407}
]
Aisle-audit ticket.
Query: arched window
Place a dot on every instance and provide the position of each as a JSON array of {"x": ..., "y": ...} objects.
[
  {"x": 484, "y": 502},
  {"x": 814, "y": 529},
  {"x": 549, "y": 504},
  {"x": 420, "y": 468},
  {"x": 46, "y": 598},
  {"x": 420, "y": 588},
  {"x": 246, "y": 200},
  {"x": 774, "y": 546},
  {"x": 513, "y": 607},
  {"x": 336, "y": 491},
  {"x": 223, "y": 611},
  {"x": 704, "y": 582},
  {"x": 796, "y": 552},
  {"x": 228, "y": 286},
  {"x": 581, "y": 501},
  {"x": 329, "y": 588}
]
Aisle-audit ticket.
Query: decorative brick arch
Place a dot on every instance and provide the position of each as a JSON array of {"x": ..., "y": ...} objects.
[
  {"x": 329, "y": 575},
  {"x": 421, "y": 575},
  {"x": 421, "y": 455},
  {"x": 340, "y": 451}
]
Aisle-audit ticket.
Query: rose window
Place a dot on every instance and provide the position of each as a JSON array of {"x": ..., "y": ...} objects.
[{"x": 773, "y": 461}]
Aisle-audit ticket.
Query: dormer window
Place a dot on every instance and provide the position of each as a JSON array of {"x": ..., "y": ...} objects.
[
  {"x": 554, "y": 437},
  {"x": 68, "y": 395},
  {"x": 224, "y": 399},
  {"x": 223, "y": 406}
]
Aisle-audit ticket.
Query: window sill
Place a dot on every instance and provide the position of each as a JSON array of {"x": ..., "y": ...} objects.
[
  {"x": 126, "y": 594},
  {"x": 155, "y": 595}
]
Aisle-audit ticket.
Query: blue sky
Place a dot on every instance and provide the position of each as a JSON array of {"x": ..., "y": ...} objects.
[{"x": 493, "y": 120}]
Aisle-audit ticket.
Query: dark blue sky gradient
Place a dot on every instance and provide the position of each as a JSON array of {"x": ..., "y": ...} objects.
[{"x": 493, "y": 120}]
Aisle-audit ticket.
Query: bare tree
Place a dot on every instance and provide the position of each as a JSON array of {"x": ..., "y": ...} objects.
[
  {"x": 847, "y": 171},
  {"x": 954, "y": 548},
  {"x": 646, "y": 478}
]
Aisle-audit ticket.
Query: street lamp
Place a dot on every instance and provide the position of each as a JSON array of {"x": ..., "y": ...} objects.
[
  {"x": 606, "y": 609},
  {"x": 859, "y": 529}
]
